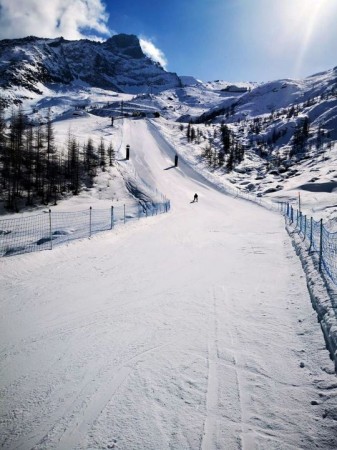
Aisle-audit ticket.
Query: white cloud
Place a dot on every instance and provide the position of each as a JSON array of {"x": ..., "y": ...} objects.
[
  {"x": 72, "y": 19},
  {"x": 153, "y": 52}
]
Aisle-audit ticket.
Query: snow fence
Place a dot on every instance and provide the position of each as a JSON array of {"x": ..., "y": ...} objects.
[
  {"x": 320, "y": 240},
  {"x": 315, "y": 243},
  {"x": 314, "y": 239},
  {"x": 44, "y": 230},
  {"x": 319, "y": 237}
]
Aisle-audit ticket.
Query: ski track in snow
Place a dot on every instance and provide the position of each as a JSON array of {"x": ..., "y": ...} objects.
[
  {"x": 210, "y": 428},
  {"x": 181, "y": 331}
]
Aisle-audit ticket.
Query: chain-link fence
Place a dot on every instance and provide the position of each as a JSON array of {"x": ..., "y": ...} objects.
[
  {"x": 319, "y": 238},
  {"x": 44, "y": 230}
]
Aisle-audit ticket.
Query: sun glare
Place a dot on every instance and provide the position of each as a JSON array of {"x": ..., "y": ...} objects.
[
  {"x": 303, "y": 21},
  {"x": 299, "y": 15}
]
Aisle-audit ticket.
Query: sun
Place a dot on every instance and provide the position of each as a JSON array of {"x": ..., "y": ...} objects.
[
  {"x": 303, "y": 14},
  {"x": 303, "y": 21}
]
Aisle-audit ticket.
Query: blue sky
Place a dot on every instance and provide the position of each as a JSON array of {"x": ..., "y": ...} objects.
[
  {"x": 234, "y": 40},
  {"x": 248, "y": 40}
]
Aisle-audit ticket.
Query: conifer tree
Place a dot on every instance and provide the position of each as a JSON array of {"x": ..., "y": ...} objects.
[
  {"x": 188, "y": 132},
  {"x": 193, "y": 135},
  {"x": 39, "y": 161},
  {"x": 17, "y": 127},
  {"x": 91, "y": 159},
  {"x": 50, "y": 150},
  {"x": 73, "y": 164},
  {"x": 230, "y": 161},
  {"x": 28, "y": 163},
  {"x": 3, "y": 153},
  {"x": 111, "y": 154},
  {"x": 101, "y": 152},
  {"x": 300, "y": 137}
]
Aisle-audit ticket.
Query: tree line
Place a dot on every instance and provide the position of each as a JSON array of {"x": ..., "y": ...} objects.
[
  {"x": 34, "y": 170},
  {"x": 228, "y": 155}
]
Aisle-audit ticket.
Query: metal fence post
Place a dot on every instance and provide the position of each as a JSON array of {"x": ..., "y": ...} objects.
[
  {"x": 310, "y": 234},
  {"x": 9, "y": 244},
  {"x": 50, "y": 231},
  {"x": 90, "y": 221},
  {"x": 305, "y": 227},
  {"x": 321, "y": 245}
]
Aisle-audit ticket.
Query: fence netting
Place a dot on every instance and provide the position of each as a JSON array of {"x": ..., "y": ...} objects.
[
  {"x": 329, "y": 254},
  {"x": 318, "y": 237},
  {"x": 26, "y": 234},
  {"x": 44, "y": 230}
]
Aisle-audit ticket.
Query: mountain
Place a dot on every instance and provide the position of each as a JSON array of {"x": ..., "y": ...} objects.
[
  {"x": 257, "y": 136},
  {"x": 266, "y": 98},
  {"x": 117, "y": 64}
]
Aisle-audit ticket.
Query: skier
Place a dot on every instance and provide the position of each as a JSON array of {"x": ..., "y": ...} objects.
[{"x": 195, "y": 198}]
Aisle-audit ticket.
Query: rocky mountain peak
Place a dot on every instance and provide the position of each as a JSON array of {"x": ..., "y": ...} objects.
[
  {"x": 125, "y": 44},
  {"x": 117, "y": 64}
]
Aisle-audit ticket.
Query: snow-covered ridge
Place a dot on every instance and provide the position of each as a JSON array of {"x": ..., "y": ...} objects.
[
  {"x": 262, "y": 116},
  {"x": 191, "y": 329},
  {"x": 118, "y": 64},
  {"x": 266, "y": 98}
]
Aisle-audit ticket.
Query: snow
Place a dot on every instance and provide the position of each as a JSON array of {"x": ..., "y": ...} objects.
[{"x": 192, "y": 329}]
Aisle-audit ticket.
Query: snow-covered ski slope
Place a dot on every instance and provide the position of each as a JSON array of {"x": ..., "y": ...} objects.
[{"x": 189, "y": 330}]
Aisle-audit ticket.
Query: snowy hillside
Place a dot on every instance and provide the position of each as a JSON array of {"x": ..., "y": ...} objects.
[
  {"x": 117, "y": 64},
  {"x": 264, "y": 121},
  {"x": 192, "y": 329},
  {"x": 266, "y": 98}
]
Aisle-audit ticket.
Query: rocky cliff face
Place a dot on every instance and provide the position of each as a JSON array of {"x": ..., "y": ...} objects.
[{"x": 117, "y": 64}]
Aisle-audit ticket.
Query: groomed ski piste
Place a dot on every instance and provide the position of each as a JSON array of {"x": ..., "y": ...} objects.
[{"x": 188, "y": 330}]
